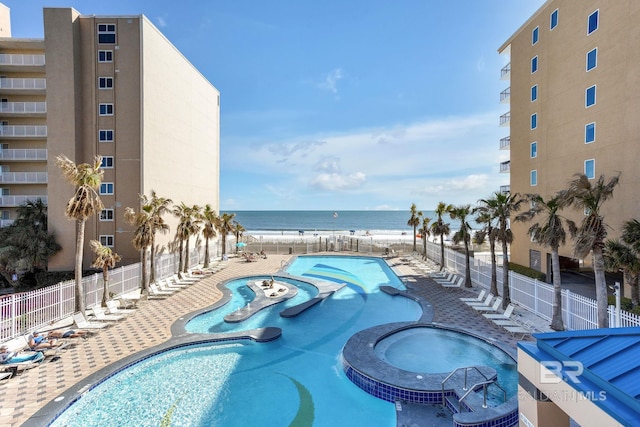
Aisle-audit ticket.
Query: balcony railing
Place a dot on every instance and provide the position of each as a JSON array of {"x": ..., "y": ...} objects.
[
  {"x": 19, "y": 59},
  {"x": 23, "y": 178},
  {"x": 505, "y": 189},
  {"x": 23, "y": 107},
  {"x": 15, "y": 201},
  {"x": 24, "y": 154},
  {"x": 505, "y": 143},
  {"x": 23, "y": 131},
  {"x": 505, "y": 167},
  {"x": 505, "y": 119},
  {"x": 505, "y": 72},
  {"x": 5, "y": 222},
  {"x": 8, "y": 83},
  {"x": 505, "y": 95}
]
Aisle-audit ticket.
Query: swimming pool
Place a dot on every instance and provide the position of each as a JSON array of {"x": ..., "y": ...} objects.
[{"x": 295, "y": 380}]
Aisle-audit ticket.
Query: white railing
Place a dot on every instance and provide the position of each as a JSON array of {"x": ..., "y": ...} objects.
[
  {"x": 505, "y": 166},
  {"x": 505, "y": 119},
  {"x": 505, "y": 189},
  {"x": 505, "y": 143},
  {"x": 26, "y": 83},
  {"x": 16, "y": 130},
  {"x": 24, "y": 154},
  {"x": 578, "y": 312},
  {"x": 23, "y": 107},
  {"x": 505, "y": 95},
  {"x": 21, "y": 59},
  {"x": 505, "y": 72},
  {"x": 20, "y": 200},
  {"x": 24, "y": 177}
]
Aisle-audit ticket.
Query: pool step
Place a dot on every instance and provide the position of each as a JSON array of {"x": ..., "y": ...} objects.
[{"x": 453, "y": 404}]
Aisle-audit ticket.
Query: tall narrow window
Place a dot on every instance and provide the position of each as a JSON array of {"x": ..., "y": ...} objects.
[
  {"x": 553, "y": 19},
  {"x": 534, "y": 35},
  {"x": 590, "y": 96},
  {"x": 105, "y": 109},
  {"x": 106, "y": 188},
  {"x": 105, "y": 82},
  {"x": 534, "y": 64},
  {"x": 107, "y": 162},
  {"x": 592, "y": 59},
  {"x": 590, "y": 168},
  {"x": 106, "y": 215},
  {"x": 534, "y": 150},
  {"x": 105, "y": 135},
  {"x": 105, "y": 56},
  {"x": 592, "y": 24},
  {"x": 534, "y": 121},
  {"x": 106, "y": 33},
  {"x": 534, "y": 92},
  {"x": 534, "y": 178},
  {"x": 590, "y": 133},
  {"x": 106, "y": 240}
]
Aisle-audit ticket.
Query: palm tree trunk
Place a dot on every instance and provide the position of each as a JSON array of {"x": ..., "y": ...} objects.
[
  {"x": 424, "y": 246},
  {"x": 181, "y": 250},
  {"x": 224, "y": 244},
  {"x": 414, "y": 238},
  {"x": 80, "y": 305},
  {"x": 186, "y": 257},
  {"x": 441, "y": 252},
  {"x": 144, "y": 269},
  {"x": 601, "y": 287},
  {"x": 494, "y": 268},
  {"x": 105, "y": 286},
  {"x": 467, "y": 266},
  {"x": 206, "y": 253},
  {"x": 152, "y": 258},
  {"x": 556, "y": 318},
  {"x": 506, "y": 295}
]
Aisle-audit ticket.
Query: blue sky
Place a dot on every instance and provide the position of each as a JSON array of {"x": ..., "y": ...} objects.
[{"x": 363, "y": 104}]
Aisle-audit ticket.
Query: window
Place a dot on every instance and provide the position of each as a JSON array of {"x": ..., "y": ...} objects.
[
  {"x": 534, "y": 64},
  {"x": 534, "y": 121},
  {"x": 105, "y": 135},
  {"x": 106, "y": 109},
  {"x": 534, "y": 150},
  {"x": 534, "y": 36},
  {"x": 534, "y": 178},
  {"x": 590, "y": 96},
  {"x": 106, "y": 33},
  {"x": 107, "y": 162},
  {"x": 106, "y": 215},
  {"x": 553, "y": 19},
  {"x": 105, "y": 56},
  {"x": 105, "y": 82},
  {"x": 590, "y": 168},
  {"x": 106, "y": 240},
  {"x": 589, "y": 133},
  {"x": 592, "y": 59},
  {"x": 534, "y": 92},
  {"x": 592, "y": 24},
  {"x": 106, "y": 188}
]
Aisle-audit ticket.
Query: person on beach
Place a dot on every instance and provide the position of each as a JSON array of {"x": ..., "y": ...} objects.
[{"x": 38, "y": 342}]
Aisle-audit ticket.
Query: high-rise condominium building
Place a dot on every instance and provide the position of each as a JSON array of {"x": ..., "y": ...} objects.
[
  {"x": 574, "y": 108},
  {"x": 112, "y": 86}
]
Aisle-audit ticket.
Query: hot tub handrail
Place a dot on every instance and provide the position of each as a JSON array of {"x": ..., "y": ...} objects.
[
  {"x": 484, "y": 385},
  {"x": 466, "y": 369}
]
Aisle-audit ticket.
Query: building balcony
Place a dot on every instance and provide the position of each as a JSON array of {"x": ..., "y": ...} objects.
[
  {"x": 21, "y": 59},
  {"x": 505, "y": 72},
  {"x": 15, "y": 201},
  {"x": 505, "y": 189},
  {"x": 23, "y": 178},
  {"x": 16, "y": 131},
  {"x": 505, "y": 143},
  {"x": 24, "y": 154},
  {"x": 505, "y": 167},
  {"x": 26, "y": 85},
  {"x": 505, "y": 95},
  {"x": 505, "y": 119},
  {"x": 5, "y": 222},
  {"x": 23, "y": 108}
]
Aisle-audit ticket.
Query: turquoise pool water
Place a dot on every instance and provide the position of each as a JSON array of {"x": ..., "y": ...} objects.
[{"x": 296, "y": 380}]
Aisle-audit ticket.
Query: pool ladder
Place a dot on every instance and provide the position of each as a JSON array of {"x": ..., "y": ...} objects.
[{"x": 468, "y": 390}]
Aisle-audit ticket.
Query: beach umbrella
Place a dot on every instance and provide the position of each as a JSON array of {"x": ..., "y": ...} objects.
[{"x": 241, "y": 244}]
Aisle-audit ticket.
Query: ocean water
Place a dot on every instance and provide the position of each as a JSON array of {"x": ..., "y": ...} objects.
[{"x": 376, "y": 222}]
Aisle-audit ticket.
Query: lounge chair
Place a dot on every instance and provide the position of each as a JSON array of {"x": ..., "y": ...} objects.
[
  {"x": 167, "y": 285},
  {"x": 456, "y": 284},
  {"x": 486, "y": 302},
  {"x": 495, "y": 307},
  {"x": 446, "y": 278},
  {"x": 506, "y": 315},
  {"x": 182, "y": 279},
  {"x": 82, "y": 322},
  {"x": 155, "y": 292},
  {"x": 129, "y": 299},
  {"x": 100, "y": 314},
  {"x": 525, "y": 329},
  {"x": 479, "y": 298},
  {"x": 114, "y": 308},
  {"x": 19, "y": 361}
]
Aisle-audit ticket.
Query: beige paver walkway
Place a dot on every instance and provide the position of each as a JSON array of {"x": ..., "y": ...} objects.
[{"x": 24, "y": 395}]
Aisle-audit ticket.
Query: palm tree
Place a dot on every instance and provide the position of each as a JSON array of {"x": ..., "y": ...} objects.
[
  {"x": 238, "y": 229},
  {"x": 503, "y": 205},
  {"x": 487, "y": 218},
  {"x": 592, "y": 232},
  {"x": 460, "y": 213},
  {"x": 425, "y": 232},
  {"x": 631, "y": 236},
  {"x": 142, "y": 235},
  {"x": 551, "y": 233},
  {"x": 441, "y": 228},
  {"x": 105, "y": 259},
  {"x": 85, "y": 202},
  {"x": 225, "y": 227},
  {"x": 188, "y": 225},
  {"x": 209, "y": 218},
  {"x": 414, "y": 222},
  {"x": 618, "y": 256},
  {"x": 159, "y": 207}
]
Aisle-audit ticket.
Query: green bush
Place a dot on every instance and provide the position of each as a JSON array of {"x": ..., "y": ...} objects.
[
  {"x": 625, "y": 303},
  {"x": 526, "y": 271}
]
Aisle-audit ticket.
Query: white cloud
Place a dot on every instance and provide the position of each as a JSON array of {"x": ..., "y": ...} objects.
[
  {"x": 338, "y": 181},
  {"x": 330, "y": 81}
]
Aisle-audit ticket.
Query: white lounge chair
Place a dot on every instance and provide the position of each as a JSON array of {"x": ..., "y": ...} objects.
[
  {"x": 494, "y": 307},
  {"x": 155, "y": 292},
  {"x": 506, "y": 315},
  {"x": 114, "y": 308},
  {"x": 479, "y": 298},
  {"x": 82, "y": 322},
  {"x": 455, "y": 284},
  {"x": 129, "y": 299},
  {"x": 486, "y": 302},
  {"x": 525, "y": 329},
  {"x": 167, "y": 285},
  {"x": 100, "y": 314}
]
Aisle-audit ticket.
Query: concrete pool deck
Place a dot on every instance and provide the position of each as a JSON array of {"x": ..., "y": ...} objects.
[{"x": 150, "y": 325}]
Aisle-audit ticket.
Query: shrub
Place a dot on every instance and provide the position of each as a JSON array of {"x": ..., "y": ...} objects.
[
  {"x": 625, "y": 303},
  {"x": 526, "y": 271}
]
